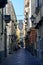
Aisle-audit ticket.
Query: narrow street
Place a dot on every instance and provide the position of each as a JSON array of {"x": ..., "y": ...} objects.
[
  {"x": 21, "y": 57},
  {"x": 21, "y": 32}
]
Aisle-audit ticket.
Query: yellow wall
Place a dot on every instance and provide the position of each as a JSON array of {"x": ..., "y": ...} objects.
[{"x": 18, "y": 34}]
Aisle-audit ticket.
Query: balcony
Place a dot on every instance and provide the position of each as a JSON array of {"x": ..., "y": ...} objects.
[
  {"x": 27, "y": 4},
  {"x": 26, "y": 13},
  {"x": 26, "y": 9},
  {"x": 25, "y": 22},
  {"x": 26, "y": 18}
]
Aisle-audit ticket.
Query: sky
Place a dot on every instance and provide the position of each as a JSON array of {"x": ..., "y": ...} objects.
[{"x": 19, "y": 8}]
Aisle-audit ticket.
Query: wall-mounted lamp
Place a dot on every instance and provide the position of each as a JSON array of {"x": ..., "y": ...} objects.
[{"x": 32, "y": 19}]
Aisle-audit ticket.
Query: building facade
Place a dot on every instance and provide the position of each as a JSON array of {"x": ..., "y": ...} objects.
[
  {"x": 36, "y": 8},
  {"x": 27, "y": 14},
  {"x": 7, "y": 29},
  {"x": 27, "y": 20},
  {"x": 39, "y": 27},
  {"x": 2, "y": 35},
  {"x": 12, "y": 26},
  {"x": 36, "y": 11}
]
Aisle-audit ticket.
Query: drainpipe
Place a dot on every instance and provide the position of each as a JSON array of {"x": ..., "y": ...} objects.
[
  {"x": 2, "y": 22},
  {"x": 5, "y": 38}
]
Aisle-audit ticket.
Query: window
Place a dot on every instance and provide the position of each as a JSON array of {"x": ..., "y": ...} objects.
[
  {"x": 25, "y": 22},
  {"x": 12, "y": 21},
  {"x": 41, "y": 2},
  {"x": 37, "y": 9},
  {"x": 37, "y": 3}
]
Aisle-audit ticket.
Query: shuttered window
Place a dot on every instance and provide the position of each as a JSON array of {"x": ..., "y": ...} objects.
[{"x": 37, "y": 3}]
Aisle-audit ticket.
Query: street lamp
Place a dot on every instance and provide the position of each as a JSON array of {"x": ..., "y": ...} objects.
[{"x": 32, "y": 19}]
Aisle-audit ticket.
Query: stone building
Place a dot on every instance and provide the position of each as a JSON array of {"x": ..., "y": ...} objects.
[
  {"x": 12, "y": 26},
  {"x": 27, "y": 14},
  {"x": 36, "y": 12},
  {"x": 2, "y": 35},
  {"x": 39, "y": 27},
  {"x": 27, "y": 20},
  {"x": 7, "y": 29}
]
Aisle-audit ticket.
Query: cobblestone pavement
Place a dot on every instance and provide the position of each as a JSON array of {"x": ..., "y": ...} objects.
[{"x": 21, "y": 57}]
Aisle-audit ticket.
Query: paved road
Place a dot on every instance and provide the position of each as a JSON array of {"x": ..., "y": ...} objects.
[{"x": 21, "y": 57}]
